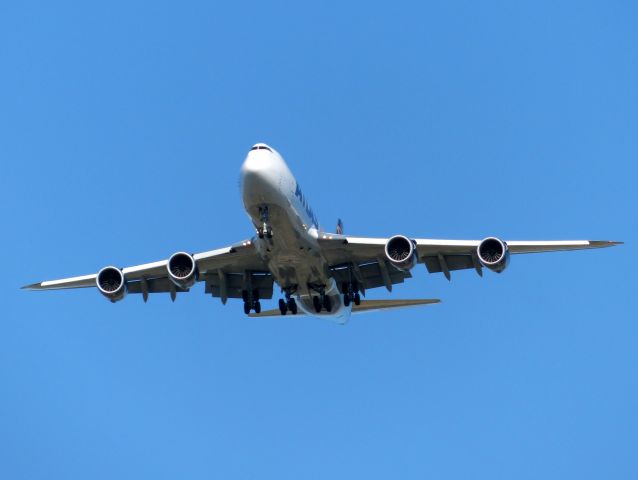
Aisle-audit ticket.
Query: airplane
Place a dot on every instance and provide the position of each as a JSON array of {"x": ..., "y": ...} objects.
[{"x": 319, "y": 273}]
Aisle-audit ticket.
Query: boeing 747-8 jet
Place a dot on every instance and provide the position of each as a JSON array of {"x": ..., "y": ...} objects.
[{"x": 319, "y": 273}]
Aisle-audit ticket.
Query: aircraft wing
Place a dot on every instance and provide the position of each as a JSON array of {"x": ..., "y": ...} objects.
[
  {"x": 438, "y": 255},
  {"x": 225, "y": 266}
]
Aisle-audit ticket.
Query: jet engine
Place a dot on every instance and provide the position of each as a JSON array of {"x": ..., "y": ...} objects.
[
  {"x": 182, "y": 270},
  {"x": 401, "y": 252},
  {"x": 494, "y": 254},
  {"x": 111, "y": 283}
]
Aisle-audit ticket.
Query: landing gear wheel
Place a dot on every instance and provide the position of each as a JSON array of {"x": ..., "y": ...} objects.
[
  {"x": 283, "y": 308},
  {"x": 357, "y": 299},
  {"x": 246, "y": 308},
  {"x": 316, "y": 302},
  {"x": 346, "y": 299},
  {"x": 327, "y": 303},
  {"x": 292, "y": 306},
  {"x": 257, "y": 307},
  {"x": 260, "y": 232},
  {"x": 268, "y": 232}
]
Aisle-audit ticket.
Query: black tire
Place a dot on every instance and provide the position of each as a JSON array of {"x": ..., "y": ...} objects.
[
  {"x": 257, "y": 307},
  {"x": 283, "y": 308},
  {"x": 246, "y": 308},
  {"x": 317, "y": 304},
  {"x": 327, "y": 303},
  {"x": 346, "y": 300},
  {"x": 292, "y": 306},
  {"x": 357, "y": 299}
]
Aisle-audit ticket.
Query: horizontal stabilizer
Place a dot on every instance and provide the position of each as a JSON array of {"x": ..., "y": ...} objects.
[
  {"x": 374, "y": 305},
  {"x": 366, "y": 306}
]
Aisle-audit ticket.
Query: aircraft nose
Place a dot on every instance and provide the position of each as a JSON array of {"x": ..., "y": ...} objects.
[
  {"x": 261, "y": 146},
  {"x": 259, "y": 169}
]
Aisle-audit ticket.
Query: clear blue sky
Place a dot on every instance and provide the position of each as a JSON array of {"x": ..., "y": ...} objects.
[{"x": 122, "y": 129}]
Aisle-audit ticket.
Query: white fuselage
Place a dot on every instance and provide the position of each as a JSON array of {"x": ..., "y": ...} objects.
[{"x": 292, "y": 253}]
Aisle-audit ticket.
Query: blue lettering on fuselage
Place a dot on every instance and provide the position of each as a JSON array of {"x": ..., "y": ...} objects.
[{"x": 302, "y": 198}]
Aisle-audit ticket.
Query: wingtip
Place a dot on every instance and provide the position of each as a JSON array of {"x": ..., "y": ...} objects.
[
  {"x": 605, "y": 243},
  {"x": 33, "y": 286}
]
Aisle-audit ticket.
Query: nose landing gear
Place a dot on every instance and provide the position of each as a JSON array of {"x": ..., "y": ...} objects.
[{"x": 265, "y": 230}]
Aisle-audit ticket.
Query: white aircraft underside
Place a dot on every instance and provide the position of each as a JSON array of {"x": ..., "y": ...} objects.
[{"x": 320, "y": 274}]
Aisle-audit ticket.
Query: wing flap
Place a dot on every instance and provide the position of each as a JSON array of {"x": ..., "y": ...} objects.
[
  {"x": 369, "y": 274},
  {"x": 453, "y": 262},
  {"x": 155, "y": 285},
  {"x": 220, "y": 284}
]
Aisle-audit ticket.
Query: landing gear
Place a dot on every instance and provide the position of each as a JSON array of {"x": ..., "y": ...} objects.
[
  {"x": 288, "y": 304},
  {"x": 265, "y": 230},
  {"x": 251, "y": 301},
  {"x": 327, "y": 303},
  {"x": 283, "y": 307},
  {"x": 292, "y": 306},
  {"x": 316, "y": 302},
  {"x": 322, "y": 302},
  {"x": 256, "y": 306},
  {"x": 350, "y": 294}
]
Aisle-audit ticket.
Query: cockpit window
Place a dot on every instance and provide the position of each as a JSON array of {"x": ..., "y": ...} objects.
[{"x": 261, "y": 147}]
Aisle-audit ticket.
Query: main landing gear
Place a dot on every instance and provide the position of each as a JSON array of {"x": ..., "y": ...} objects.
[
  {"x": 251, "y": 301},
  {"x": 286, "y": 306},
  {"x": 351, "y": 294},
  {"x": 289, "y": 304},
  {"x": 322, "y": 302},
  {"x": 265, "y": 230},
  {"x": 348, "y": 298}
]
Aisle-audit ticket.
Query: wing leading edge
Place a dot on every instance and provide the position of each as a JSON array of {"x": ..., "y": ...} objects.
[
  {"x": 213, "y": 266},
  {"x": 438, "y": 255}
]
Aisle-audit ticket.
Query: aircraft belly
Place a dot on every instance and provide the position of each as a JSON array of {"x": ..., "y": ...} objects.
[{"x": 293, "y": 255}]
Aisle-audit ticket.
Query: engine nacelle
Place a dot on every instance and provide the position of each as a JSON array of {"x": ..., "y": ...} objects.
[
  {"x": 493, "y": 253},
  {"x": 401, "y": 252},
  {"x": 182, "y": 270},
  {"x": 111, "y": 283}
]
